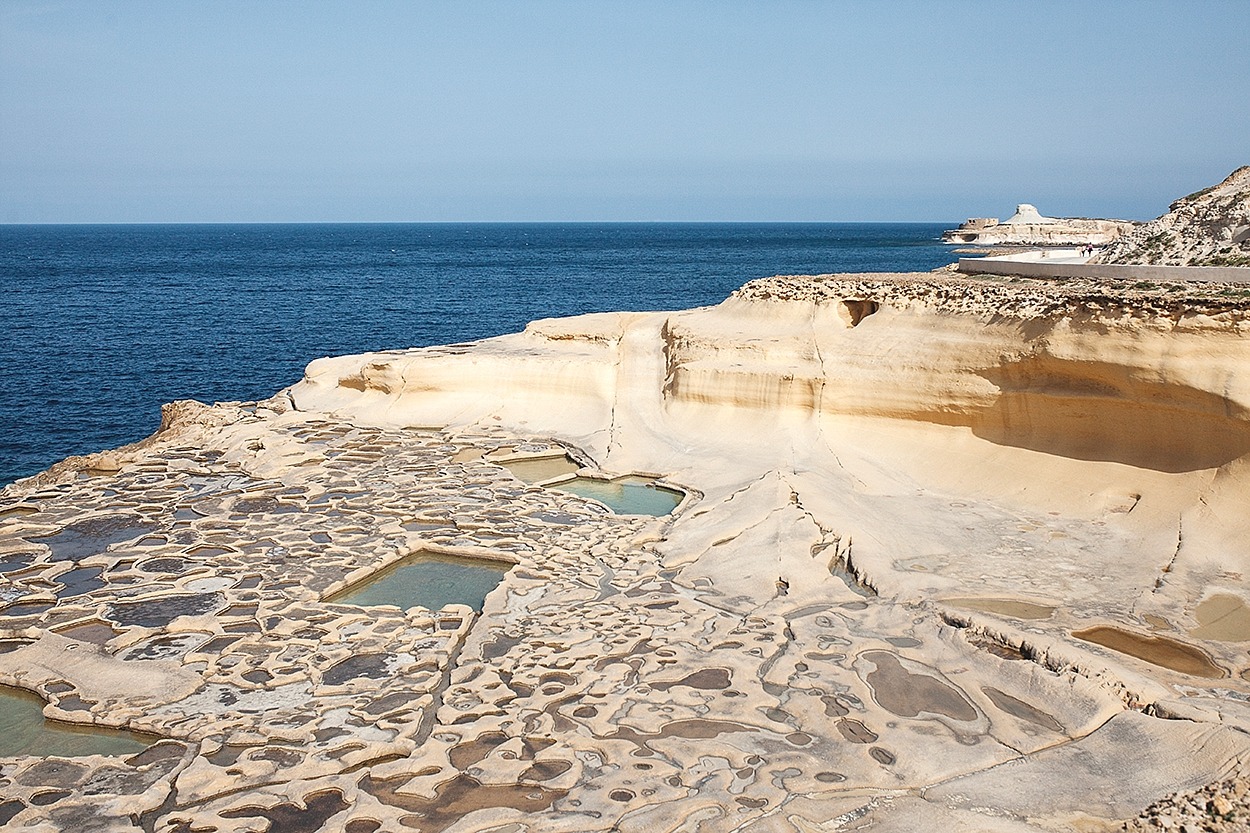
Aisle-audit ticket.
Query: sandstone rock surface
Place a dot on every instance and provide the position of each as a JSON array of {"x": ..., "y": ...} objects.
[
  {"x": 954, "y": 554},
  {"x": 1207, "y": 228}
]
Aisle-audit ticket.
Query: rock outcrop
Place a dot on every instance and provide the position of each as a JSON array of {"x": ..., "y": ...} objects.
[
  {"x": 1207, "y": 228},
  {"x": 1079, "y": 370},
  {"x": 934, "y": 427},
  {"x": 1222, "y": 807},
  {"x": 1027, "y": 227},
  {"x": 952, "y": 551}
]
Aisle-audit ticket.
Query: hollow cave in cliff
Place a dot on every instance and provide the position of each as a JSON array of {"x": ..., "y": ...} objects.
[{"x": 859, "y": 310}]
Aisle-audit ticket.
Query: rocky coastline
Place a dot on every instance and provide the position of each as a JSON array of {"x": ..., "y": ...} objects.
[{"x": 950, "y": 551}]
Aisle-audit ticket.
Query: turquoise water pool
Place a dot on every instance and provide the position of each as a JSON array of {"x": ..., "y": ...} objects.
[
  {"x": 631, "y": 495},
  {"x": 429, "y": 580},
  {"x": 25, "y": 731}
]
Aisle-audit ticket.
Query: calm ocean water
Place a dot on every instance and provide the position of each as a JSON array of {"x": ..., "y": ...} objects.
[{"x": 103, "y": 324}]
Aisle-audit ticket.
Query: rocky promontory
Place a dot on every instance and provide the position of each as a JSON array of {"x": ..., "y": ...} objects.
[
  {"x": 1027, "y": 227},
  {"x": 1207, "y": 228}
]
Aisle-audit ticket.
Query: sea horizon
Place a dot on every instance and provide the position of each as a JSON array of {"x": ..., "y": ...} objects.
[{"x": 488, "y": 223}]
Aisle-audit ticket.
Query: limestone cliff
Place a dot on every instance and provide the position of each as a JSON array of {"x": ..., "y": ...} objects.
[
  {"x": 1207, "y": 228},
  {"x": 1085, "y": 370}
]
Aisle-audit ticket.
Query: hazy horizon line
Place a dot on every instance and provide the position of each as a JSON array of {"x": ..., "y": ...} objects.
[{"x": 484, "y": 223}]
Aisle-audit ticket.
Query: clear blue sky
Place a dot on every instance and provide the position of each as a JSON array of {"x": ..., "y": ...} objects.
[{"x": 825, "y": 111}]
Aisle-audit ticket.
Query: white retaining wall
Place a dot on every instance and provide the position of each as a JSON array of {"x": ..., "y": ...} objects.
[{"x": 1042, "y": 269}]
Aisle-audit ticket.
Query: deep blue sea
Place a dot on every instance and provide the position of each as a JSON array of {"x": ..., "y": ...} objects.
[{"x": 103, "y": 324}]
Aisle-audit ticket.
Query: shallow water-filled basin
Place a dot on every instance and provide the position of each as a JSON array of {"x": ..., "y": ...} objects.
[
  {"x": 93, "y": 536},
  {"x": 427, "y": 579},
  {"x": 538, "y": 469},
  {"x": 631, "y": 495},
  {"x": 93, "y": 630},
  {"x": 1222, "y": 618},
  {"x": 1015, "y": 608},
  {"x": 161, "y": 610},
  {"x": 1156, "y": 650},
  {"x": 25, "y": 731}
]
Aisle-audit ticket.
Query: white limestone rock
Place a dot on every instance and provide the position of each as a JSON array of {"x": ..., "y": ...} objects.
[
  {"x": 1207, "y": 228},
  {"x": 1027, "y": 227}
]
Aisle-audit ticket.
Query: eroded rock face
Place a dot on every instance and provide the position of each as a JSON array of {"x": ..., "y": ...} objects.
[
  {"x": 1086, "y": 370},
  {"x": 1207, "y": 228},
  {"x": 907, "y": 495}
]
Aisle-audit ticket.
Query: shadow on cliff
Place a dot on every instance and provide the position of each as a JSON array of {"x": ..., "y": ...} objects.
[{"x": 1104, "y": 412}]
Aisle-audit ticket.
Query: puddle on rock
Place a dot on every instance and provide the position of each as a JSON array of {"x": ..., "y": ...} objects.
[
  {"x": 93, "y": 631},
  {"x": 173, "y": 646},
  {"x": 370, "y": 666},
  {"x": 79, "y": 582},
  {"x": 457, "y": 798},
  {"x": 165, "y": 564},
  {"x": 11, "y": 562},
  {"x": 26, "y": 609},
  {"x": 539, "y": 469},
  {"x": 426, "y": 579},
  {"x": 25, "y": 731},
  {"x": 158, "y": 612},
  {"x": 630, "y": 495},
  {"x": 1156, "y": 650},
  {"x": 908, "y": 694},
  {"x": 1015, "y": 608},
  {"x": 1222, "y": 618},
  {"x": 705, "y": 679},
  {"x": 290, "y": 817},
  {"x": 1018, "y": 708},
  {"x": 93, "y": 536}
]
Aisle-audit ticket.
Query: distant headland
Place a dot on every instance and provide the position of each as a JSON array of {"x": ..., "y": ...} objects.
[{"x": 1029, "y": 228}]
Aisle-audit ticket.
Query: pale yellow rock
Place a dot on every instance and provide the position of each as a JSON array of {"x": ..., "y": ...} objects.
[
  {"x": 95, "y": 674},
  {"x": 904, "y": 494}
]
